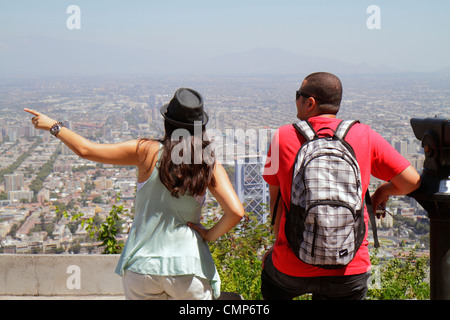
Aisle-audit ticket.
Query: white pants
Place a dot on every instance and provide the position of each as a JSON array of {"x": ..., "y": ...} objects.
[{"x": 150, "y": 287}]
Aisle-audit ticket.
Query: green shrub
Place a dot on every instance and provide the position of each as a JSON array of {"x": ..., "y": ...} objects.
[
  {"x": 402, "y": 278},
  {"x": 238, "y": 256}
]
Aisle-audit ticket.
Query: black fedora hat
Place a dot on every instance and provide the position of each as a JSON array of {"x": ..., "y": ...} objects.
[{"x": 185, "y": 109}]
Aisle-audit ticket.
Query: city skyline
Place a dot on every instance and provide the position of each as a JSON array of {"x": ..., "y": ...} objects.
[{"x": 196, "y": 37}]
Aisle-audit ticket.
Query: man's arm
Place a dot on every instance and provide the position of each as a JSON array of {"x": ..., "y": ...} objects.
[
  {"x": 404, "y": 183},
  {"x": 273, "y": 191}
]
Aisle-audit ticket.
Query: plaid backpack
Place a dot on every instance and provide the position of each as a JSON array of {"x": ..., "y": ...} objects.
[{"x": 325, "y": 224}]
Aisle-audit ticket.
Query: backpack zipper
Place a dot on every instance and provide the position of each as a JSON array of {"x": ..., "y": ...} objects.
[{"x": 316, "y": 223}]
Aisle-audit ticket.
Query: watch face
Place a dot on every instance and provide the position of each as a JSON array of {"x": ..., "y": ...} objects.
[{"x": 55, "y": 129}]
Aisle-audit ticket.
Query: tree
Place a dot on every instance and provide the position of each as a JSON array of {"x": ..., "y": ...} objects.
[
  {"x": 13, "y": 230},
  {"x": 105, "y": 232},
  {"x": 97, "y": 199},
  {"x": 238, "y": 256},
  {"x": 401, "y": 278},
  {"x": 75, "y": 247}
]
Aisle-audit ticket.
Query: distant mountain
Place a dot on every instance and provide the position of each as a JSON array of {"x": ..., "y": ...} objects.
[
  {"x": 444, "y": 70},
  {"x": 50, "y": 56},
  {"x": 277, "y": 61}
]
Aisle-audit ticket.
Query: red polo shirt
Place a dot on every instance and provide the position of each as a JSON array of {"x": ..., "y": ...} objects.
[{"x": 375, "y": 157}]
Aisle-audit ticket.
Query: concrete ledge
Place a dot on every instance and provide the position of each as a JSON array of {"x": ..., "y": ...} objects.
[
  {"x": 64, "y": 297},
  {"x": 88, "y": 276},
  {"x": 64, "y": 277}
]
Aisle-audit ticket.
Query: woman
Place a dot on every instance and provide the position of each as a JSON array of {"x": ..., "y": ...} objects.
[{"x": 166, "y": 255}]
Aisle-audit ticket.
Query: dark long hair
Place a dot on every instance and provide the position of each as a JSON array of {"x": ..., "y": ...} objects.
[{"x": 185, "y": 178}]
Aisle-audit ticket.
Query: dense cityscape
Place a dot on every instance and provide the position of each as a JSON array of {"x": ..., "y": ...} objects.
[{"x": 40, "y": 178}]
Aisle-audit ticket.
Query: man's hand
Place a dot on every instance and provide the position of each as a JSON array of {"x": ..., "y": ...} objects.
[
  {"x": 379, "y": 200},
  {"x": 404, "y": 183}
]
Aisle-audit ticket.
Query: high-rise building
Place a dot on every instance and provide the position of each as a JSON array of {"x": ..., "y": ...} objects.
[
  {"x": 13, "y": 182},
  {"x": 152, "y": 101},
  {"x": 18, "y": 195},
  {"x": 250, "y": 186},
  {"x": 219, "y": 121}
]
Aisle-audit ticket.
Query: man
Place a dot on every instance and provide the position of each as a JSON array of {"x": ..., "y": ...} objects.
[{"x": 284, "y": 276}]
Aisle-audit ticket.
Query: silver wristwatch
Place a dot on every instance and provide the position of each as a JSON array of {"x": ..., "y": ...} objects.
[{"x": 54, "y": 130}]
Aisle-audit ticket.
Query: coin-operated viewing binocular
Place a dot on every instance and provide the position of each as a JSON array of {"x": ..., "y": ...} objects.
[
  {"x": 434, "y": 196},
  {"x": 435, "y": 136}
]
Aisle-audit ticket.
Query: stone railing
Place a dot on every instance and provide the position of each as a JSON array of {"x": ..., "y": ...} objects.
[
  {"x": 54, "y": 276},
  {"x": 81, "y": 276}
]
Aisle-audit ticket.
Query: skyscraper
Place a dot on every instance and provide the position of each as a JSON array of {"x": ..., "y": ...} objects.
[
  {"x": 250, "y": 186},
  {"x": 13, "y": 182}
]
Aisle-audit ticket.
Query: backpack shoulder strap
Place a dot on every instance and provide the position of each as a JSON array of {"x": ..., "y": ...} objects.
[
  {"x": 343, "y": 128},
  {"x": 306, "y": 129},
  {"x": 373, "y": 223},
  {"x": 341, "y": 132},
  {"x": 275, "y": 209}
]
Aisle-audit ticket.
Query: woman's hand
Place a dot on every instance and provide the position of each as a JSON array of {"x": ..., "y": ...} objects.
[
  {"x": 40, "y": 120},
  {"x": 200, "y": 229},
  {"x": 233, "y": 211},
  {"x": 123, "y": 153}
]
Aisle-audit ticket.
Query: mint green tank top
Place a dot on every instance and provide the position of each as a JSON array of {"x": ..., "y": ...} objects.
[{"x": 160, "y": 242}]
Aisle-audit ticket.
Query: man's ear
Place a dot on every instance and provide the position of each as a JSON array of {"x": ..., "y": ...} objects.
[{"x": 311, "y": 105}]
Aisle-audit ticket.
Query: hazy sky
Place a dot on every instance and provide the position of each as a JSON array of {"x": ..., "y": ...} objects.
[{"x": 414, "y": 35}]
